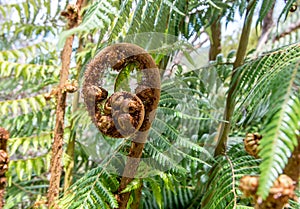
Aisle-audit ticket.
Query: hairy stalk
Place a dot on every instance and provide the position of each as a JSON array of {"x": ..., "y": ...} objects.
[
  {"x": 71, "y": 144},
  {"x": 230, "y": 103},
  {"x": 133, "y": 160},
  {"x": 70, "y": 147},
  {"x": 4, "y": 135},
  {"x": 72, "y": 14}
]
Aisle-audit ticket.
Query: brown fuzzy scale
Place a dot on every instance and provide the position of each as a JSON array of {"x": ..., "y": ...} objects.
[
  {"x": 117, "y": 57},
  {"x": 122, "y": 116}
]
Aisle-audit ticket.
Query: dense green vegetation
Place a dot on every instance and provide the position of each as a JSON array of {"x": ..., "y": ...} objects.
[{"x": 210, "y": 99}]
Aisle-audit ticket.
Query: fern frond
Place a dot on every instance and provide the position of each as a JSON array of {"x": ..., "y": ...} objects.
[
  {"x": 264, "y": 9},
  {"x": 170, "y": 191},
  {"x": 29, "y": 11},
  {"x": 24, "y": 168},
  {"x": 167, "y": 162},
  {"x": 278, "y": 143},
  {"x": 95, "y": 188},
  {"x": 27, "y": 71},
  {"x": 268, "y": 83},
  {"x": 287, "y": 32},
  {"x": 25, "y": 192},
  {"x": 42, "y": 140},
  {"x": 265, "y": 81},
  {"x": 98, "y": 16},
  {"x": 30, "y": 30},
  {"x": 26, "y": 52},
  {"x": 31, "y": 124},
  {"x": 224, "y": 178},
  {"x": 118, "y": 21},
  {"x": 23, "y": 106}
]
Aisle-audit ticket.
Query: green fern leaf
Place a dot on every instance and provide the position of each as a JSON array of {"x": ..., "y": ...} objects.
[
  {"x": 222, "y": 191},
  {"x": 98, "y": 16},
  {"x": 95, "y": 188},
  {"x": 265, "y": 8},
  {"x": 277, "y": 145}
]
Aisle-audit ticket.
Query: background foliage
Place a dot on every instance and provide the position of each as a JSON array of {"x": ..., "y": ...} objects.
[{"x": 178, "y": 168}]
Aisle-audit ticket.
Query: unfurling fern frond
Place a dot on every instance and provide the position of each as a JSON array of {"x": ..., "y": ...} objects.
[
  {"x": 95, "y": 188},
  {"x": 223, "y": 182}
]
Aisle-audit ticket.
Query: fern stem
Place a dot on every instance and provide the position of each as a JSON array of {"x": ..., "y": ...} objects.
[
  {"x": 215, "y": 39},
  {"x": 71, "y": 145},
  {"x": 230, "y": 103},
  {"x": 57, "y": 146},
  {"x": 133, "y": 160},
  {"x": 233, "y": 182}
]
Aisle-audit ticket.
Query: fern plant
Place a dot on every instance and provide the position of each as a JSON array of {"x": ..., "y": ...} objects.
[
  {"x": 278, "y": 70},
  {"x": 178, "y": 169},
  {"x": 28, "y": 68}
]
